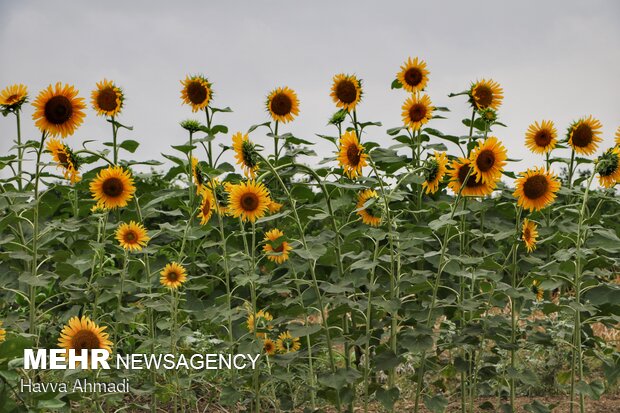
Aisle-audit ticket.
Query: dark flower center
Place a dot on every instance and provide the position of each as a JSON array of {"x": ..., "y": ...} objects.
[
  {"x": 542, "y": 138},
  {"x": 58, "y": 110},
  {"x": 172, "y": 276},
  {"x": 206, "y": 207},
  {"x": 130, "y": 237},
  {"x": 527, "y": 234},
  {"x": 483, "y": 95},
  {"x": 63, "y": 159},
  {"x": 471, "y": 182},
  {"x": 112, "y": 187},
  {"x": 196, "y": 92},
  {"x": 249, "y": 201},
  {"x": 535, "y": 187},
  {"x": 281, "y": 104},
  {"x": 346, "y": 91},
  {"x": 413, "y": 76},
  {"x": 85, "y": 339},
  {"x": 417, "y": 112},
  {"x": 485, "y": 160},
  {"x": 353, "y": 155},
  {"x": 582, "y": 135},
  {"x": 12, "y": 99},
  {"x": 279, "y": 248},
  {"x": 106, "y": 99}
]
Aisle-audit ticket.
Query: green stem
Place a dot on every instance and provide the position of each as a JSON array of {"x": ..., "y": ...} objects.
[
  {"x": 114, "y": 145},
  {"x": 513, "y": 311},
  {"x": 276, "y": 151},
  {"x": 210, "y": 151},
  {"x": 20, "y": 152}
]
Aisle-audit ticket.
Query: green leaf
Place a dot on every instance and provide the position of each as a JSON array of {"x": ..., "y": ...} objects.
[
  {"x": 129, "y": 145},
  {"x": 538, "y": 407},
  {"x": 341, "y": 378},
  {"x": 388, "y": 397},
  {"x": 594, "y": 390},
  {"x": 396, "y": 84},
  {"x": 436, "y": 404}
]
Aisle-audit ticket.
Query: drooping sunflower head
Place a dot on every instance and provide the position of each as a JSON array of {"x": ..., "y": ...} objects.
[
  {"x": 488, "y": 160},
  {"x": 113, "y": 187},
  {"x": 608, "y": 167},
  {"x": 462, "y": 176},
  {"x": 220, "y": 191},
  {"x": 417, "y": 111},
  {"x": 282, "y": 104},
  {"x": 65, "y": 159},
  {"x": 2, "y": 333},
  {"x": 485, "y": 94},
  {"x": 132, "y": 236},
  {"x": 413, "y": 75},
  {"x": 261, "y": 323},
  {"x": 248, "y": 200},
  {"x": 536, "y": 189},
  {"x": 83, "y": 334},
  {"x": 346, "y": 91},
  {"x": 13, "y": 97},
  {"x": 173, "y": 275},
  {"x": 276, "y": 248},
  {"x": 351, "y": 155},
  {"x": 435, "y": 169},
  {"x": 246, "y": 154},
  {"x": 287, "y": 343},
  {"x": 584, "y": 135},
  {"x": 199, "y": 176},
  {"x": 196, "y": 92},
  {"x": 207, "y": 205},
  {"x": 269, "y": 347},
  {"x": 529, "y": 234},
  {"x": 541, "y": 138},
  {"x": 58, "y": 110},
  {"x": 107, "y": 99},
  {"x": 368, "y": 207},
  {"x": 537, "y": 290}
]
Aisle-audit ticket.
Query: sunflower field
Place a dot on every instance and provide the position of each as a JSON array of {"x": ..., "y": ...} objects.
[{"x": 423, "y": 274}]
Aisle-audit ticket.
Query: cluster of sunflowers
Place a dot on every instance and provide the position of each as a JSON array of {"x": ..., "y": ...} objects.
[{"x": 261, "y": 325}]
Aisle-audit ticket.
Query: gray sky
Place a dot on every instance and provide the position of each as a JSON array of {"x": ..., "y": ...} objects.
[{"x": 556, "y": 60}]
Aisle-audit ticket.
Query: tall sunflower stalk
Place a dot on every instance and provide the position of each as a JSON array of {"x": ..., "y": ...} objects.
[{"x": 513, "y": 307}]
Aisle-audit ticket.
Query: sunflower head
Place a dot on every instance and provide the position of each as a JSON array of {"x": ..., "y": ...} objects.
[
  {"x": 282, "y": 104},
  {"x": 83, "y": 334},
  {"x": 413, "y": 75},
  {"x": 276, "y": 248},
  {"x": 2, "y": 333},
  {"x": 346, "y": 91},
  {"x": 200, "y": 178},
  {"x": 246, "y": 154},
  {"x": 259, "y": 323},
  {"x": 269, "y": 347},
  {"x": 529, "y": 234},
  {"x": 536, "y": 189},
  {"x": 488, "y": 160},
  {"x": 107, "y": 99},
  {"x": 132, "y": 236},
  {"x": 196, "y": 92},
  {"x": 220, "y": 191},
  {"x": 191, "y": 125},
  {"x": 368, "y": 207},
  {"x": 58, "y": 110},
  {"x": 537, "y": 290},
  {"x": 351, "y": 155},
  {"x": 584, "y": 135},
  {"x": 417, "y": 111},
  {"x": 113, "y": 187},
  {"x": 435, "y": 169},
  {"x": 173, "y": 275},
  {"x": 338, "y": 117},
  {"x": 207, "y": 205},
  {"x": 13, "y": 97},
  {"x": 485, "y": 94},
  {"x": 249, "y": 200},
  {"x": 488, "y": 115},
  {"x": 618, "y": 137},
  {"x": 65, "y": 159},
  {"x": 287, "y": 343},
  {"x": 541, "y": 137},
  {"x": 462, "y": 180},
  {"x": 608, "y": 167}
]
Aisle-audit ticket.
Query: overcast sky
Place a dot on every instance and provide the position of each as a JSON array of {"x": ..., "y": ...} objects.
[{"x": 556, "y": 60}]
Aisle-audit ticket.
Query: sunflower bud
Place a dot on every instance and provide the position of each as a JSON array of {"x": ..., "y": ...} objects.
[{"x": 191, "y": 125}]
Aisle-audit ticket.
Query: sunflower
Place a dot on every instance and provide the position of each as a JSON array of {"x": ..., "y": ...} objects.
[
  {"x": 537, "y": 290},
  {"x": 417, "y": 111},
  {"x": 459, "y": 169},
  {"x": 107, "y": 99},
  {"x": 245, "y": 154},
  {"x": 275, "y": 248},
  {"x": 207, "y": 206},
  {"x": 434, "y": 170},
  {"x": 196, "y": 92},
  {"x": 12, "y": 97},
  {"x": 488, "y": 160},
  {"x": 248, "y": 200},
  {"x": 199, "y": 175},
  {"x": 132, "y": 236},
  {"x": 529, "y": 234},
  {"x": 220, "y": 193},
  {"x": 371, "y": 214},
  {"x": 58, "y": 110},
  {"x": 618, "y": 137},
  {"x": 485, "y": 94},
  {"x": 282, "y": 104},
  {"x": 608, "y": 167},
  {"x": 173, "y": 275},
  {"x": 351, "y": 156},
  {"x": 346, "y": 91},
  {"x": 413, "y": 75},
  {"x": 113, "y": 187},
  {"x": 83, "y": 334},
  {"x": 274, "y": 207},
  {"x": 541, "y": 138},
  {"x": 584, "y": 135},
  {"x": 2, "y": 333},
  {"x": 287, "y": 344},
  {"x": 536, "y": 189},
  {"x": 262, "y": 323},
  {"x": 269, "y": 347},
  {"x": 65, "y": 159}
]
